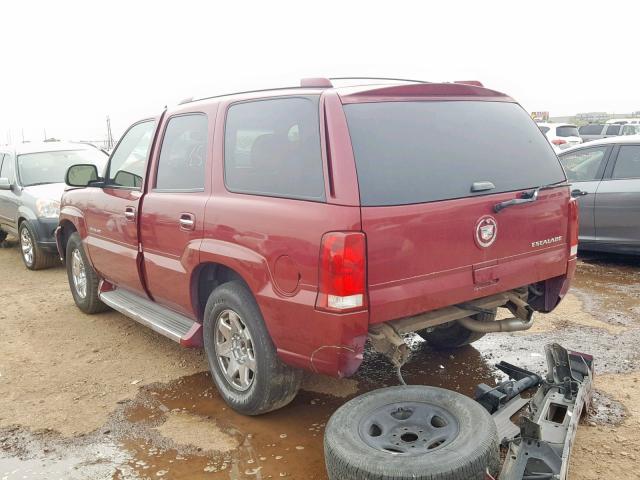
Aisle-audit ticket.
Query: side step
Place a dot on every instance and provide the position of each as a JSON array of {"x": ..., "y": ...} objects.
[{"x": 160, "y": 319}]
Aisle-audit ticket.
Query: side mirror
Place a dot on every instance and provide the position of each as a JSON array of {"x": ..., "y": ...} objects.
[
  {"x": 81, "y": 175},
  {"x": 5, "y": 184},
  {"x": 127, "y": 179}
]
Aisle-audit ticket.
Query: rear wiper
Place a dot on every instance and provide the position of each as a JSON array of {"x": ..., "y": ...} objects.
[{"x": 527, "y": 197}]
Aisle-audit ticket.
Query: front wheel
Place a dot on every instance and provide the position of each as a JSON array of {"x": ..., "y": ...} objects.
[
  {"x": 83, "y": 279},
  {"x": 242, "y": 358},
  {"x": 33, "y": 257}
]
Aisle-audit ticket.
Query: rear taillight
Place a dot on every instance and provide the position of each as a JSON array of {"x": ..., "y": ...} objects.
[
  {"x": 342, "y": 282},
  {"x": 573, "y": 227},
  {"x": 558, "y": 141}
]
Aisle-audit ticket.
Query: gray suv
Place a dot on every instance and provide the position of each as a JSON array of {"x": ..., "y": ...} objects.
[
  {"x": 607, "y": 174},
  {"x": 31, "y": 184}
]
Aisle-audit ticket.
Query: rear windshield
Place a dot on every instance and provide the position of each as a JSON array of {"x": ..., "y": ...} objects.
[
  {"x": 567, "y": 131},
  {"x": 591, "y": 129},
  {"x": 416, "y": 152}
]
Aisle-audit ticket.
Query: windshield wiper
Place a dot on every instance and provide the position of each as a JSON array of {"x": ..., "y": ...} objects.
[{"x": 527, "y": 197}]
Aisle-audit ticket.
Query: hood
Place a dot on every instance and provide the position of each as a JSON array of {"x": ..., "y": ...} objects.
[{"x": 52, "y": 191}]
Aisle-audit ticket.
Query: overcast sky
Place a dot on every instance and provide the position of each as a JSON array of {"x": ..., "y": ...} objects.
[{"x": 66, "y": 65}]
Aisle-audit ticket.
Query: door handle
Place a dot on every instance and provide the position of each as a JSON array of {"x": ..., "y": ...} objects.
[
  {"x": 578, "y": 193},
  {"x": 130, "y": 213},
  {"x": 187, "y": 221}
]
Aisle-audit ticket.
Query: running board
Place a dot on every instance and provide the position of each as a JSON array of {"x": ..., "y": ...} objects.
[{"x": 160, "y": 319}]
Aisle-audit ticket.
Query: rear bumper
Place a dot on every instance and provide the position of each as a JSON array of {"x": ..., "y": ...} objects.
[{"x": 322, "y": 342}]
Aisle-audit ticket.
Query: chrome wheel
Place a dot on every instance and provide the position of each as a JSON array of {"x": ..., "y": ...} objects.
[
  {"x": 27, "y": 246},
  {"x": 78, "y": 273},
  {"x": 234, "y": 350}
]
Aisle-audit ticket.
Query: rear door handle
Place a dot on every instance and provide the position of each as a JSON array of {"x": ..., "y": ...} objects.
[
  {"x": 187, "y": 221},
  {"x": 130, "y": 213}
]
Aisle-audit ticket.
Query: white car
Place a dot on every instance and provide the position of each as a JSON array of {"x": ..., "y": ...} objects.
[
  {"x": 561, "y": 135},
  {"x": 624, "y": 121}
]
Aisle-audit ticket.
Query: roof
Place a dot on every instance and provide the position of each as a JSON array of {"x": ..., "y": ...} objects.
[
  {"x": 620, "y": 140},
  {"x": 371, "y": 89},
  {"x": 36, "y": 147}
]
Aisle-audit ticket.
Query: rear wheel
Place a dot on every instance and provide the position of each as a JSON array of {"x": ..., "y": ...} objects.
[
  {"x": 83, "y": 280},
  {"x": 33, "y": 257},
  {"x": 453, "y": 334},
  {"x": 242, "y": 358}
]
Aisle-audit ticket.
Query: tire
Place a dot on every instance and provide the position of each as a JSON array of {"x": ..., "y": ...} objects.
[
  {"x": 469, "y": 450},
  {"x": 89, "y": 302},
  {"x": 453, "y": 334},
  {"x": 3, "y": 235},
  {"x": 272, "y": 384},
  {"x": 33, "y": 257}
]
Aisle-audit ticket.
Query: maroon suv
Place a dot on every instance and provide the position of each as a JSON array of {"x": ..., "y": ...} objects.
[{"x": 281, "y": 228}]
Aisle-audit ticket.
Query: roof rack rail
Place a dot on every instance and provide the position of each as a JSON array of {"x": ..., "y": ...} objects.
[
  {"x": 380, "y": 78},
  {"x": 315, "y": 82}
]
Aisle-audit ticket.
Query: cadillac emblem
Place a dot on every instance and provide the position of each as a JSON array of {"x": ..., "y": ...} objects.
[{"x": 486, "y": 231}]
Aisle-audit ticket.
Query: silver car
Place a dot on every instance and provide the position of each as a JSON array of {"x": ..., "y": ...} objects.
[
  {"x": 605, "y": 175},
  {"x": 32, "y": 179}
]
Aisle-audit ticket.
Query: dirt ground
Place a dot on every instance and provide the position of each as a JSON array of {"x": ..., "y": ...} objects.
[{"x": 101, "y": 397}]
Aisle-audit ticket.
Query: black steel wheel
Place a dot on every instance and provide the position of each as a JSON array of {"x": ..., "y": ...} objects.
[{"x": 411, "y": 432}]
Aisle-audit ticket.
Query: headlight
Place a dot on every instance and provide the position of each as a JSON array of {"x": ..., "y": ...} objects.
[{"x": 48, "y": 208}]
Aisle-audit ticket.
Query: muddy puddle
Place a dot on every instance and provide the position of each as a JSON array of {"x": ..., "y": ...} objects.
[{"x": 182, "y": 429}]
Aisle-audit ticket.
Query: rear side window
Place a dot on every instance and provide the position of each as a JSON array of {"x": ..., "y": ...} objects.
[
  {"x": 613, "y": 130},
  {"x": 416, "y": 152},
  {"x": 567, "y": 131},
  {"x": 183, "y": 154},
  {"x": 590, "y": 129},
  {"x": 628, "y": 162},
  {"x": 272, "y": 148},
  {"x": 584, "y": 165}
]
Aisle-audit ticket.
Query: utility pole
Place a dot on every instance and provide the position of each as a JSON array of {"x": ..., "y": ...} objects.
[
  {"x": 45, "y": 134},
  {"x": 22, "y": 130},
  {"x": 109, "y": 142}
]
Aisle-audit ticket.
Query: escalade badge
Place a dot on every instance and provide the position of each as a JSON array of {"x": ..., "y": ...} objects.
[{"x": 486, "y": 231}]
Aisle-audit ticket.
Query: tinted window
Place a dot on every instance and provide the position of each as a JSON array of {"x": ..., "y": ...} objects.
[
  {"x": 544, "y": 129},
  {"x": 613, "y": 130},
  {"x": 272, "y": 147},
  {"x": 591, "y": 129},
  {"x": 50, "y": 167},
  {"x": 7, "y": 168},
  {"x": 128, "y": 162},
  {"x": 583, "y": 165},
  {"x": 630, "y": 129},
  {"x": 183, "y": 154},
  {"x": 414, "y": 152},
  {"x": 628, "y": 162},
  {"x": 567, "y": 131}
]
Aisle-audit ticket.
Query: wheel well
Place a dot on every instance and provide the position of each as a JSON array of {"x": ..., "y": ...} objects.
[
  {"x": 67, "y": 229},
  {"x": 207, "y": 278}
]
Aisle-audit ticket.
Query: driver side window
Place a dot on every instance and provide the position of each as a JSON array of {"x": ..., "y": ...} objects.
[{"x": 128, "y": 163}]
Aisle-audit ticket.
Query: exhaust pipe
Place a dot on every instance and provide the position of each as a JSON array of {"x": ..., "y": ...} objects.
[{"x": 506, "y": 325}]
